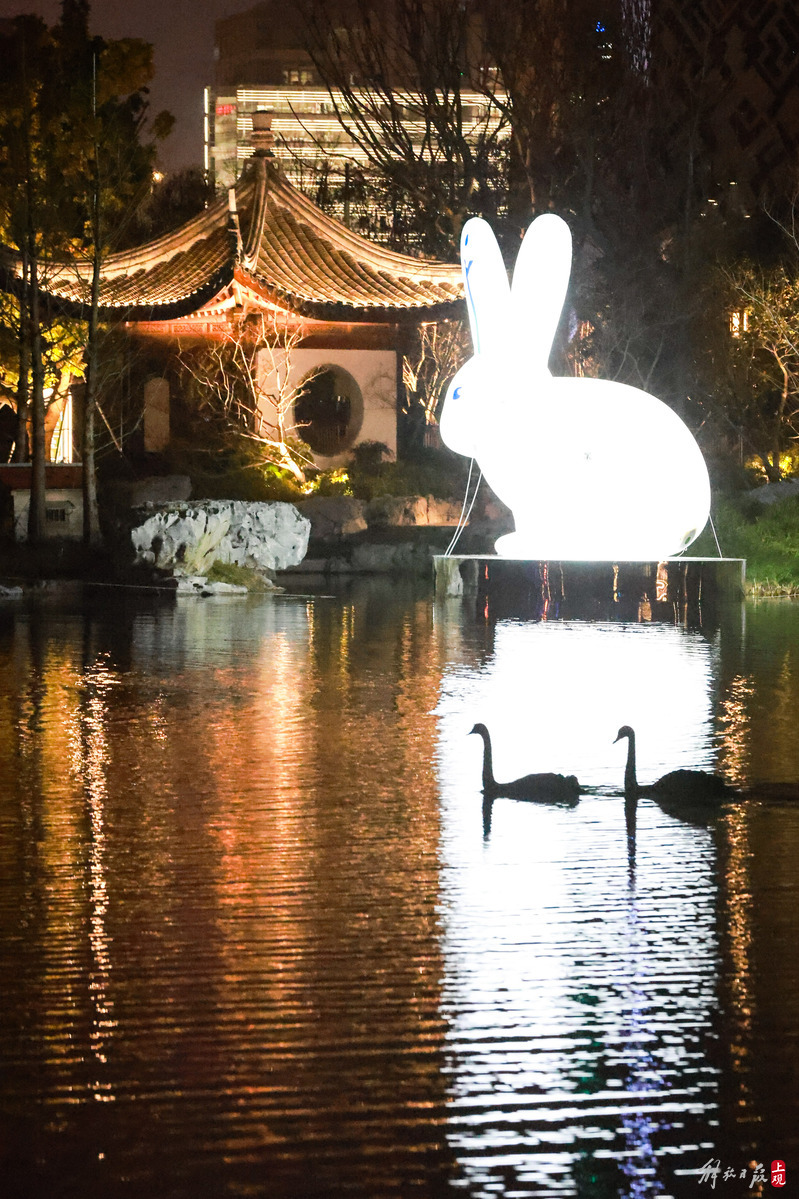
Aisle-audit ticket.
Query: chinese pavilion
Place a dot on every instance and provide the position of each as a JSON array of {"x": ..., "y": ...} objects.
[{"x": 346, "y": 303}]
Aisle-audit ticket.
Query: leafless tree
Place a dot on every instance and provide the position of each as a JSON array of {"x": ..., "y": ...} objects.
[
  {"x": 248, "y": 380},
  {"x": 400, "y": 74},
  {"x": 753, "y": 354},
  {"x": 438, "y": 351}
]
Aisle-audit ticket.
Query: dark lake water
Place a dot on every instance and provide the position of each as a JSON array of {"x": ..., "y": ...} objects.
[{"x": 256, "y": 939}]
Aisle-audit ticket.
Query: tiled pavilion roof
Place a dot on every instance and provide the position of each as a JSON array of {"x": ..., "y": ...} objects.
[{"x": 275, "y": 242}]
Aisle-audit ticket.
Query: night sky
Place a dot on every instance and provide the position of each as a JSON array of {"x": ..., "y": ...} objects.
[{"x": 182, "y": 32}]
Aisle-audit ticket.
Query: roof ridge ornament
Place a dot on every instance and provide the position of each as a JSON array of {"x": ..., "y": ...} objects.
[
  {"x": 234, "y": 228},
  {"x": 263, "y": 138}
]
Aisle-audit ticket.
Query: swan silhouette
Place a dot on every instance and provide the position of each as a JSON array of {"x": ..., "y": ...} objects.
[
  {"x": 686, "y": 786},
  {"x": 571, "y": 457},
  {"x": 547, "y": 787}
]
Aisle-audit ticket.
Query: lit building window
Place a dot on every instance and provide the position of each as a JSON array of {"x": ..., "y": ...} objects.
[
  {"x": 739, "y": 322},
  {"x": 298, "y": 75},
  {"x": 61, "y": 445}
]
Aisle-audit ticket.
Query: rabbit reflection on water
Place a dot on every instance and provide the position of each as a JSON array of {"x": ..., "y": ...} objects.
[{"x": 591, "y": 469}]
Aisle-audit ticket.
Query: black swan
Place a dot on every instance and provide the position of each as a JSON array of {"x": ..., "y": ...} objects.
[
  {"x": 549, "y": 787},
  {"x": 690, "y": 786}
]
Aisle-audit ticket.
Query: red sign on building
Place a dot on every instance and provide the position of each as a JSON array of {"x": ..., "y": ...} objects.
[{"x": 778, "y": 1174}]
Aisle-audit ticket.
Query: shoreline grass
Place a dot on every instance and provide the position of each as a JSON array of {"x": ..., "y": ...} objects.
[{"x": 766, "y": 535}]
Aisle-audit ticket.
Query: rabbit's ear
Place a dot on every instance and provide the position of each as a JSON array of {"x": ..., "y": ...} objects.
[
  {"x": 487, "y": 289},
  {"x": 540, "y": 279}
]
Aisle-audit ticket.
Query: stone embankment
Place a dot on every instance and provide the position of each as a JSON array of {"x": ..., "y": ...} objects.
[
  {"x": 336, "y": 535},
  {"x": 391, "y": 534}
]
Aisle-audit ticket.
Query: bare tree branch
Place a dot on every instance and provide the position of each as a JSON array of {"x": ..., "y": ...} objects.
[{"x": 230, "y": 378}]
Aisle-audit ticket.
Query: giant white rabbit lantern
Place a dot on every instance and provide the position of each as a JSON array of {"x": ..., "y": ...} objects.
[{"x": 591, "y": 469}]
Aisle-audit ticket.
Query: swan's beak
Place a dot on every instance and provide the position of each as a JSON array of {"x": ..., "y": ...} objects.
[{"x": 617, "y": 738}]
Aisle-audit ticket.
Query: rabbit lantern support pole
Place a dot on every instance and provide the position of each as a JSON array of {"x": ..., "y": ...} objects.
[{"x": 592, "y": 470}]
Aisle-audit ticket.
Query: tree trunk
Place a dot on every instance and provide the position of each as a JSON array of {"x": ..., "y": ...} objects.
[
  {"x": 38, "y": 491},
  {"x": 37, "y": 509},
  {"x": 91, "y": 512},
  {"x": 21, "y": 442},
  {"x": 771, "y": 465}
]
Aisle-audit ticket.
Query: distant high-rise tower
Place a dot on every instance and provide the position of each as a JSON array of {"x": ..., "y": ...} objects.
[
  {"x": 736, "y": 67},
  {"x": 637, "y": 17},
  {"x": 262, "y": 64}
]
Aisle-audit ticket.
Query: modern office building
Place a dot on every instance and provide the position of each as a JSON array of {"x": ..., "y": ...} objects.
[{"x": 262, "y": 65}]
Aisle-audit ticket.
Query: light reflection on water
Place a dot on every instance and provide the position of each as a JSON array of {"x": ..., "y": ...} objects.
[
  {"x": 554, "y": 695},
  {"x": 575, "y": 1005},
  {"x": 257, "y": 939}
]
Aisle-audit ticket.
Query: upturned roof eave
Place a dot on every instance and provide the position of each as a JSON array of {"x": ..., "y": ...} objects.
[
  {"x": 341, "y": 313},
  {"x": 348, "y": 314},
  {"x": 171, "y": 310},
  {"x": 269, "y": 180},
  {"x": 260, "y": 190}
]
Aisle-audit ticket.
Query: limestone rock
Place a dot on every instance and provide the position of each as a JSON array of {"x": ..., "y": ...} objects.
[
  {"x": 400, "y": 511},
  {"x": 386, "y": 559},
  {"x": 333, "y": 516},
  {"x": 443, "y": 512},
  {"x": 185, "y": 539},
  {"x": 218, "y": 588},
  {"x": 190, "y": 585},
  {"x": 774, "y": 493},
  {"x": 200, "y": 586},
  {"x": 413, "y": 557},
  {"x": 336, "y": 516},
  {"x": 393, "y": 510}
]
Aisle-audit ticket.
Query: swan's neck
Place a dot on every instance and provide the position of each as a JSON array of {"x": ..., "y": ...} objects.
[
  {"x": 488, "y": 763},
  {"x": 630, "y": 780}
]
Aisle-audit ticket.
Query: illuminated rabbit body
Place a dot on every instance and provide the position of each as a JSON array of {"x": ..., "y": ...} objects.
[{"x": 591, "y": 469}]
